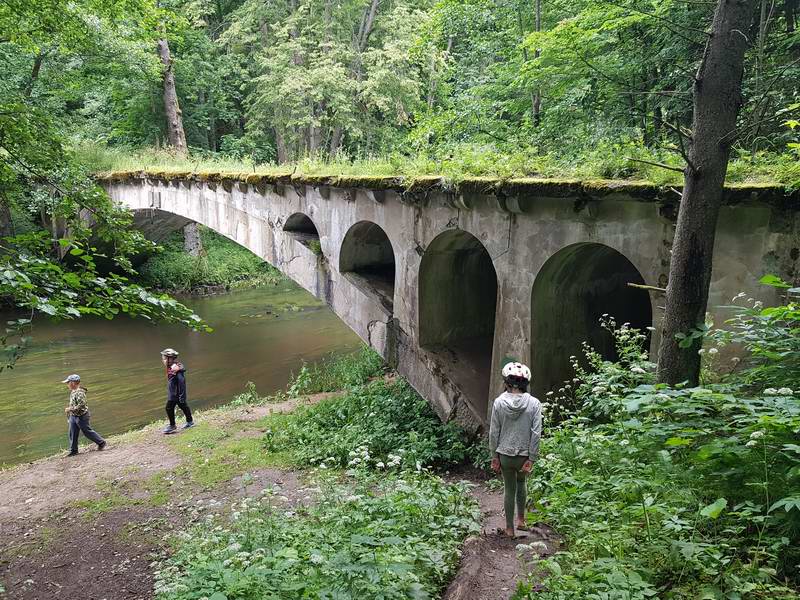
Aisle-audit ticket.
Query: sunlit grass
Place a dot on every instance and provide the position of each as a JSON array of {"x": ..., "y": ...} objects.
[{"x": 608, "y": 161}]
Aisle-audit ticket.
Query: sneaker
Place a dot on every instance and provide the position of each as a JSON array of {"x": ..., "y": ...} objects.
[
  {"x": 68, "y": 454},
  {"x": 188, "y": 425},
  {"x": 169, "y": 429},
  {"x": 102, "y": 446}
]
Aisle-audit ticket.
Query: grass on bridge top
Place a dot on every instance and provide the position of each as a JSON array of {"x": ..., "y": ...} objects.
[{"x": 471, "y": 161}]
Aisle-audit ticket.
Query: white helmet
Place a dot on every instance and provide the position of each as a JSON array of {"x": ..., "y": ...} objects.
[{"x": 515, "y": 369}]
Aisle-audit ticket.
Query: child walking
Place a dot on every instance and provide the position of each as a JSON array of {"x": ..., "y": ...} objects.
[
  {"x": 78, "y": 416},
  {"x": 176, "y": 390},
  {"x": 514, "y": 432}
]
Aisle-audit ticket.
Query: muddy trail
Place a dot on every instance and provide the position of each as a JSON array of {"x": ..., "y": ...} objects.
[{"x": 90, "y": 526}]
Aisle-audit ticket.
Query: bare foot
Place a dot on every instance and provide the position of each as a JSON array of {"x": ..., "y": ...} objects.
[
  {"x": 509, "y": 531},
  {"x": 522, "y": 526}
]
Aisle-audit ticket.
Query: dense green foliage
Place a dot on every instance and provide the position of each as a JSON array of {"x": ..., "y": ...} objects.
[
  {"x": 366, "y": 537},
  {"x": 222, "y": 263},
  {"x": 460, "y": 86},
  {"x": 376, "y": 523},
  {"x": 45, "y": 193},
  {"x": 381, "y": 423},
  {"x": 674, "y": 493}
]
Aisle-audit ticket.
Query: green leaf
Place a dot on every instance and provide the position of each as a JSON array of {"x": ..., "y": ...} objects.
[
  {"x": 678, "y": 441},
  {"x": 714, "y": 510},
  {"x": 218, "y": 596},
  {"x": 774, "y": 281}
]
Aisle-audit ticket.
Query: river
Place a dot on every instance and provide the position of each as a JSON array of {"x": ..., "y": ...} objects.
[{"x": 260, "y": 335}]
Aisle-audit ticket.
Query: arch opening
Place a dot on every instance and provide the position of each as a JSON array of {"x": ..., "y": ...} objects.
[
  {"x": 573, "y": 290},
  {"x": 457, "y": 306},
  {"x": 302, "y": 228},
  {"x": 367, "y": 257}
]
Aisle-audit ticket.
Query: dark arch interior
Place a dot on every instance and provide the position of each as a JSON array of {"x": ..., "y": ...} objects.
[
  {"x": 367, "y": 254},
  {"x": 303, "y": 230},
  {"x": 457, "y": 303},
  {"x": 574, "y": 288}
]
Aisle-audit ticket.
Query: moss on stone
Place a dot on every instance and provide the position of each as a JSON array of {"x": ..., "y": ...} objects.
[{"x": 523, "y": 187}]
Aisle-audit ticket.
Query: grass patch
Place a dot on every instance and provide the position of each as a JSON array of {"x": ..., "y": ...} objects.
[
  {"x": 606, "y": 159},
  {"x": 213, "y": 454},
  {"x": 111, "y": 499}
]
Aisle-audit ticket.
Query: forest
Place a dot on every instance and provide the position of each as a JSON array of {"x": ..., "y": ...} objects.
[{"x": 586, "y": 88}]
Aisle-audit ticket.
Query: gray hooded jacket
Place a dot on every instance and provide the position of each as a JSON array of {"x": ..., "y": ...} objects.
[{"x": 516, "y": 425}]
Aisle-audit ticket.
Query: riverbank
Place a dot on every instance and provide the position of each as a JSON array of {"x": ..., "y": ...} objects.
[
  {"x": 261, "y": 335},
  {"x": 336, "y": 480},
  {"x": 223, "y": 265}
]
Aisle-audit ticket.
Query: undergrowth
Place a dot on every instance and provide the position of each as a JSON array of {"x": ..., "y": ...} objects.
[
  {"x": 222, "y": 263},
  {"x": 377, "y": 523},
  {"x": 675, "y": 493}
]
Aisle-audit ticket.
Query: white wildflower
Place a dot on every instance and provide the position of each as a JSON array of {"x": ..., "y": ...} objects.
[
  {"x": 701, "y": 351},
  {"x": 712, "y": 350},
  {"x": 751, "y": 444},
  {"x": 624, "y": 442},
  {"x": 380, "y": 465},
  {"x": 756, "y": 435},
  {"x": 770, "y": 392},
  {"x": 785, "y": 391},
  {"x": 637, "y": 370}
]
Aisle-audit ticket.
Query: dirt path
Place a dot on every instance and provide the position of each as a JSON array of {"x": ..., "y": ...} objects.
[
  {"x": 491, "y": 565},
  {"x": 90, "y": 526},
  {"x": 37, "y": 489}
]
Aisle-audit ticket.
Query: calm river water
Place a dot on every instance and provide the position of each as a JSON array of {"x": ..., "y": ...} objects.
[{"x": 260, "y": 335}]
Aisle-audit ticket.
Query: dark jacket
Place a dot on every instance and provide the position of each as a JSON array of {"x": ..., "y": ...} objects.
[{"x": 176, "y": 384}]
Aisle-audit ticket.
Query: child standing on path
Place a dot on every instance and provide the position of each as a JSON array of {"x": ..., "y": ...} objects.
[
  {"x": 78, "y": 416},
  {"x": 176, "y": 390},
  {"x": 514, "y": 433}
]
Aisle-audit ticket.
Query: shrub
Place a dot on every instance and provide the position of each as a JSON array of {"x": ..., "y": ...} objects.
[
  {"x": 337, "y": 373},
  {"x": 380, "y": 422},
  {"x": 392, "y": 538},
  {"x": 771, "y": 336}
]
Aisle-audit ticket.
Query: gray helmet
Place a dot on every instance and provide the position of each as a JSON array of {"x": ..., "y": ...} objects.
[
  {"x": 72, "y": 378},
  {"x": 169, "y": 352}
]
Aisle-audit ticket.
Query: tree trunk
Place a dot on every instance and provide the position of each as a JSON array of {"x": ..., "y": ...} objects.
[
  {"x": 790, "y": 12},
  {"x": 192, "y": 242},
  {"x": 717, "y": 99},
  {"x": 537, "y": 97},
  {"x": 6, "y": 225},
  {"x": 177, "y": 137}
]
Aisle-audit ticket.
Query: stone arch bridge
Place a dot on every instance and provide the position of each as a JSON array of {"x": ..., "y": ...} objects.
[{"x": 448, "y": 282}]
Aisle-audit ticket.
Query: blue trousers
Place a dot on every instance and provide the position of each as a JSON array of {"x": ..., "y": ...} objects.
[{"x": 78, "y": 424}]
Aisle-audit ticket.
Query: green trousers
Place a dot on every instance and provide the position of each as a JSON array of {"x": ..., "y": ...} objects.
[{"x": 515, "y": 490}]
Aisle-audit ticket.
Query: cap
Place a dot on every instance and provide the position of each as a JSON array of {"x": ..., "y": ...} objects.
[
  {"x": 169, "y": 352},
  {"x": 71, "y": 378}
]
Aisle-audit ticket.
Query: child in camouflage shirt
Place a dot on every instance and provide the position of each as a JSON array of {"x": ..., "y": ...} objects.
[{"x": 78, "y": 416}]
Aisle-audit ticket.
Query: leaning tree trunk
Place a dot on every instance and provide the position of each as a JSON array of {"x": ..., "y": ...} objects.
[
  {"x": 177, "y": 137},
  {"x": 717, "y": 98}
]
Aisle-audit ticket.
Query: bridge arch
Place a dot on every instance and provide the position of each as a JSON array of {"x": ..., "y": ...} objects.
[
  {"x": 573, "y": 289},
  {"x": 366, "y": 255},
  {"x": 457, "y": 308},
  {"x": 302, "y": 228}
]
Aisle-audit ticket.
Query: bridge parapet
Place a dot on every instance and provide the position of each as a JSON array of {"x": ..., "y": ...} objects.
[{"x": 449, "y": 281}]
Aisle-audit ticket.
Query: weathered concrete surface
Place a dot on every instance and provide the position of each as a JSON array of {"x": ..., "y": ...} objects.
[{"x": 482, "y": 275}]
